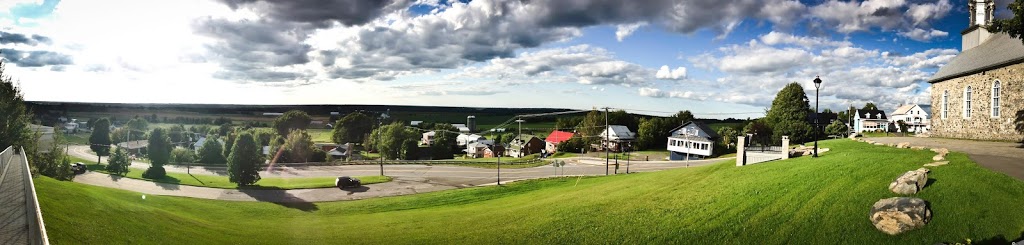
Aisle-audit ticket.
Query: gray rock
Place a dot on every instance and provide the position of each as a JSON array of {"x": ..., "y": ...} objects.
[
  {"x": 934, "y": 164},
  {"x": 942, "y": 151},
  {"x": 939, "y": 157},
  {"x": 903, "y": 145},
  {"x": 910, "y": 182},
  {"x": 900, "y": 214}
]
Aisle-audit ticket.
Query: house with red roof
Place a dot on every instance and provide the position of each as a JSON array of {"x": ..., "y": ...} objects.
[{"x": 555, "y": 138}]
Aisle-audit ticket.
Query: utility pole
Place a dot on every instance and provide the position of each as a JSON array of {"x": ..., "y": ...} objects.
[
  {"x": 499, "y": 167},
  {"x": 628, "y": 148},
  {"x": 520, "y": 136},
  {"x": 607, "y": 132}
]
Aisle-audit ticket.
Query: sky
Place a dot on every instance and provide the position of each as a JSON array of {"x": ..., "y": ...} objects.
[{"x": 716, "y": 58}]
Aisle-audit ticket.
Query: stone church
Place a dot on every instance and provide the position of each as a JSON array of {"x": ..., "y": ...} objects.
[{"x": 978, "y": 93}]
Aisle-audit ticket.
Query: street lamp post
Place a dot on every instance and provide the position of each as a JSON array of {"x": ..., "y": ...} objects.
[{"x": 817, "y": 85}]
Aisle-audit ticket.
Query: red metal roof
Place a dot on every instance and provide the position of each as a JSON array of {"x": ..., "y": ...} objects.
[{"x": 558, "y": 136}]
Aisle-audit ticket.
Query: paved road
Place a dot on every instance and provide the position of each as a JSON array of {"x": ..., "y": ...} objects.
[
  {"x": 408, "y": 179},
  {"x": 998, "y": 156}
]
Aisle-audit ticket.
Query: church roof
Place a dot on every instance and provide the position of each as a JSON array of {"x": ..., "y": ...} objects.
[{"x": 998, "y": 51}]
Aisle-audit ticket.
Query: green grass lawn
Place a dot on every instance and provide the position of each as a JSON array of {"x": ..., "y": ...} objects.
[
  {"x": 320, "y": 135},
  {"x": 803, "y": 200},
  {"x": 78, "y": 138},
  {"x": 216, "y": 181}
]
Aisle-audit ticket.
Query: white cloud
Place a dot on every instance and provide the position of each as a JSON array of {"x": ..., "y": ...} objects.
[
  {"x": 665, "y": 73},
  {"x": 582, "y": 64},
  {"x": 921, "y": 35},
  {"x": 623, "y": 31}
]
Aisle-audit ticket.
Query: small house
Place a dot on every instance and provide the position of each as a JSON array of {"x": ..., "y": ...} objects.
[
  {"x": 691, "y": 139},
  {"x": 616, "y": 136},
  {"x": 479, "y": 149},
  {"x": 428, "y": 138},
  {"x": 556, "y": 137},
  {"x": 869, "y": 120},
  {"x": 524, "y": 144},
  {"x": 325, "y": 146}
]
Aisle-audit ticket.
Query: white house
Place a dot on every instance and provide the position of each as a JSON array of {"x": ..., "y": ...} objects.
[
  {"x": 479, "y": 148},
  {"x": 428, "y": 138},
  {"x": 465, "y": 139},
  {"x": 869, "y": 120},
  {"x": 915, "y": 116},
  {"x": 691, "y": 139},
  {"x": 462, "y": 127},
  {"x": 615, "y": 136}
]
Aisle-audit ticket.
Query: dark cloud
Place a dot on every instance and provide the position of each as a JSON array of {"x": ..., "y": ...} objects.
[
  {"x": 35, "y": 58},
  {"x": 679, "y": 16},
  {"x": 18, "y": 38},
  {"x": 247, "y": 49},
  {"x": 321, "y": 13}
]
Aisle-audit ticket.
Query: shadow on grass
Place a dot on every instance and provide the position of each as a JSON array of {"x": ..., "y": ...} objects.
[
  {"x": 929, "y": 183},
  {"x": 278, "y": 196}
]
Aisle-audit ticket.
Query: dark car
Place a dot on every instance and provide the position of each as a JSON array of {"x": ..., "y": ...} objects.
[
  {"x": 347, "y": 182},
  {"x": 78, "y": 168}
]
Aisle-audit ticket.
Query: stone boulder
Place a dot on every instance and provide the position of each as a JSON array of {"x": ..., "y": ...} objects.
[
  {"x": 903, "y": 145},
  {"x": 917, "y": 147},
  {"x": 900, "y": 214},
  {"x": 935, "y": 164},
  {"x": 879, "y": 143},
  {"x": 939, "y": 157},
  {"x": 910, "y": 182},
  {"x": 942, "y": 151}
]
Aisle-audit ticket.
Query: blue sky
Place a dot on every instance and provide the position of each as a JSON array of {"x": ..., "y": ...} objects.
[{"x": 718, "y": 58}]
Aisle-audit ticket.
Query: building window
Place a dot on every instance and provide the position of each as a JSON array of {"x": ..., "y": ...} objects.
[
  {"x": 945, "y": 103},
  {"x": 995, "y": 98},
  {"x": 967, "y": 102}
]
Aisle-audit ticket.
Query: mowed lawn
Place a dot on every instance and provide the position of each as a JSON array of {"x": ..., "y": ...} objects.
[{"x": 802, "y": 200}]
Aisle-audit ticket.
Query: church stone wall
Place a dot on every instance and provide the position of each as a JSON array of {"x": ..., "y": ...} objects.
[{"x": 981, "y": 125}]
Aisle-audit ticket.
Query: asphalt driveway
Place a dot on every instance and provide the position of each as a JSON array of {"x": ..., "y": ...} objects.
[{"x": 1003, "y": 157}]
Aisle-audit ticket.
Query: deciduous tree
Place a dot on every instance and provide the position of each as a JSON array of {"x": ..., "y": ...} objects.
[
  {"x": 1011, "y": 26},
  {"x": 159, "y": 152},
  {"x": 211, "y": 151},
  {"x": 352, "y": 128},
  {"x": 294, "y": 119},
  {"x": 118, "y": 162},
  {"x": 788, "y": 115},
  {"x": 15, "y": 119}
]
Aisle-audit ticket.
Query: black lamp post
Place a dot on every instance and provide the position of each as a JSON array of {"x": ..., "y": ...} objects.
[{"x": 817, "y": 85}]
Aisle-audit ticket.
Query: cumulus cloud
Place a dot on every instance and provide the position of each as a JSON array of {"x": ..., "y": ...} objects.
[
  {"x": 755, "y": 71},
  {"x": 854, "y": 16},
  {"x": 623, "y": 31},
  {"x": 665, "y": 73},
  {"x": 36, "y": 58},
  {"x": 658, "y": 93},
  {"x": 922, "y": 35},
  {"x": 581, "y": 64}
]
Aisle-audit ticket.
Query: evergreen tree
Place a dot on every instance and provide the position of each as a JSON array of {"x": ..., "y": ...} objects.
[
  {"x": 99, "y": 141},
  {"x": 14, "y": 124},
  {"x": 244, "y": 161},
  {"x": 869, "y": 106}
]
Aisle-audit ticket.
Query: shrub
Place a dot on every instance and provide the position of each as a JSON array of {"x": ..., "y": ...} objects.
[
  {"x": 182, "y": 155},
  {"x": 154, "y": 173},
  {"x": 319, "y": 155},
  {"x": 118, "y": 162}
]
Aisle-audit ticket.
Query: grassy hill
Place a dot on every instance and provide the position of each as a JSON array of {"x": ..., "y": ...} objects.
[{"x": 803, "y": 200}]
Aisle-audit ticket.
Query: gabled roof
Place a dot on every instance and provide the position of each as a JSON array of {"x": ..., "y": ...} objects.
[
  {"x": 903, "y": 109},
  {"x": 703, "y": 127},
  {"x": 998, "y": 51},
  {"x": 618, "y": 132},
  {"x": 558, "y": 136},
  {"x": 871, "y": 114}
]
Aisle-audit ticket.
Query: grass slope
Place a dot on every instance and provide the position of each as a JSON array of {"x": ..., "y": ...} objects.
[
  {"x": 221, "y": 182},
  {"x": 802, "y": 200}
]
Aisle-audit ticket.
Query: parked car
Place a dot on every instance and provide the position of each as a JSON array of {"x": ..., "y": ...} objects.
[
  {"x": 78, "y": 168},
  {"x": 347, "y": 182}
]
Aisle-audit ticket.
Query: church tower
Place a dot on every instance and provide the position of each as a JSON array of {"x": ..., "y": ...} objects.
[{"x": 981, "y": 12}]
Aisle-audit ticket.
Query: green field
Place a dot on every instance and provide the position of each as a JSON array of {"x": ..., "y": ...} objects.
[
  {"x": 803, "y": 200},
  {"x": 216, "y": 181}
]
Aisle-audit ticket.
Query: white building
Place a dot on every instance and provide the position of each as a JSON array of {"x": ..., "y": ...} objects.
[
  {"x": 428, "y": 138},
  {"x": 465, "y": 139},
  {"x": 869, "y": 120},
  {"x": 915, "y": 116},
  {"x": 615, "y": 136},
  {"x": 690, "y": 140}
]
